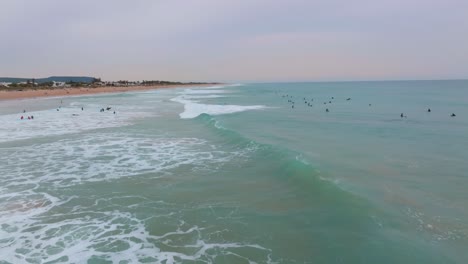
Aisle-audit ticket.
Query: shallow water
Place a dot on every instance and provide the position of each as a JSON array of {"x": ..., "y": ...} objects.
[{"x": 234, "y": 174}]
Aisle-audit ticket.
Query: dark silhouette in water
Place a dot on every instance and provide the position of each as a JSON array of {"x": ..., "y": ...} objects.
[
  {"x": 453, "y": 115},
  {"x": 401, "y": 115},
  {"x": 327, "y": 110},
  {"x": 348, "y": 99},
  {"x": 82, "y": 109},
  {"x": 370, "y": 104},
  {"x": 428, "y": 110}
]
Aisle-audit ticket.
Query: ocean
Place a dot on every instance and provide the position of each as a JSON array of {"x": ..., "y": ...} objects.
[{"x": 247, "y": 173}]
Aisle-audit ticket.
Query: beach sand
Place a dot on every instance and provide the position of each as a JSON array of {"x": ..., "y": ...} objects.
[{"x": 33, "y": 93}]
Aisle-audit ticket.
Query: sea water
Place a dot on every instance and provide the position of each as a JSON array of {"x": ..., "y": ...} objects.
[{"x": 236, "y": 174}]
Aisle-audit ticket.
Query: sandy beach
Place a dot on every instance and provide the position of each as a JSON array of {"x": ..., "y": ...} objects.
[{"x": 33, "y": 93}]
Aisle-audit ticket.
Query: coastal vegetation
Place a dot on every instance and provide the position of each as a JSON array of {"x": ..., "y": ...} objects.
[{"x": 15, "y": 84}]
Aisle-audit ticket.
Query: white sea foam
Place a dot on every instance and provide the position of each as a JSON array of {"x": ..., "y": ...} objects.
[
  {"x": 110, "y": 235},
  {"x": 38, "y": 227},
  {"x": 65, "y": 121},
  {"x": 97, "y": 157}
]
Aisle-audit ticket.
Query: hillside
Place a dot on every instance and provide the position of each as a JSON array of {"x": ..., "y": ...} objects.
[{"x": 82, "y": 79}]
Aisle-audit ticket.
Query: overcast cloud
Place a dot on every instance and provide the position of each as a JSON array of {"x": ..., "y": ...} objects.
[{"x": 235, "y": 40}]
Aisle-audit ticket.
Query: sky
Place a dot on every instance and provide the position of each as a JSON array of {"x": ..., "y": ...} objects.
[{"x": 235, "y": 40}]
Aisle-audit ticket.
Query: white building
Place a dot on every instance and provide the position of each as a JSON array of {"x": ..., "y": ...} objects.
[{"x": 58, "y": 84}]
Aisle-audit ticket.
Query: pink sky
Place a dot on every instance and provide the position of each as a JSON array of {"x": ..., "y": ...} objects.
[{"x": 242, "y": 40}]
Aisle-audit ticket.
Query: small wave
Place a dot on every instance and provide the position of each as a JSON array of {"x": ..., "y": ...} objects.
[
  {"x": 193, "y": 109},
  {"x": 203, "y": 91},
  {"x": 210, "y": 96}
]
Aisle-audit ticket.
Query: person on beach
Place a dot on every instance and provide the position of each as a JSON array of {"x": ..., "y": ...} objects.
[
  {"x": 22, "y": 117},
  {"x": 29, "y": 118},
  {"x": 32, "y": 117}
]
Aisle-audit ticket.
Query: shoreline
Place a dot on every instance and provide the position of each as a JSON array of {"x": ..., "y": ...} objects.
[{"x": 40, "y": 93}]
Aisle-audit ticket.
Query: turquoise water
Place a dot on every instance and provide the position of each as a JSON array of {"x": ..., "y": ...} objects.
[{"x": 234, "y": 174}]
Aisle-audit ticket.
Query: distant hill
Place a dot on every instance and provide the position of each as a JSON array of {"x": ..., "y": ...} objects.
[{"x": 82, "y": 79}]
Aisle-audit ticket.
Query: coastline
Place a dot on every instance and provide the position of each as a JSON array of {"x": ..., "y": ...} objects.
[{"x": 36, "y": 93}]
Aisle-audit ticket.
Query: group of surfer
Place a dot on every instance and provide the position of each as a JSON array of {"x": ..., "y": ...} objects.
[
  {"x": 308, "y": 102},
  {"x": 107, "y": 109},
  {"x": 428, "y": 110},
  {"x": 452, "y": 115},
  {"x": 58, "y": 109},
  {"x": 29, "y": 117}
]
